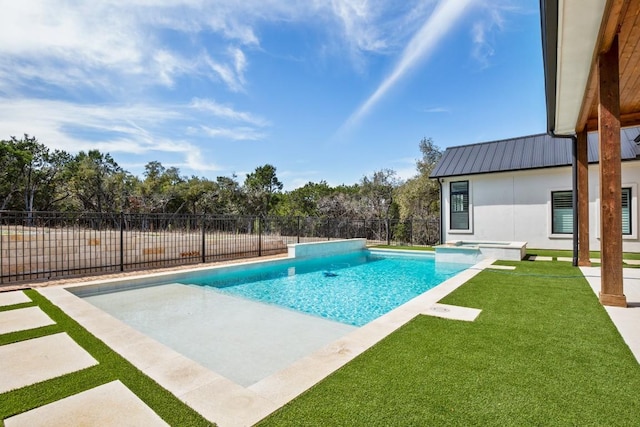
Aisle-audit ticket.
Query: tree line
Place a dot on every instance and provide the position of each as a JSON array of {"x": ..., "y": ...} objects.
[{"x": 36, "y": 178}]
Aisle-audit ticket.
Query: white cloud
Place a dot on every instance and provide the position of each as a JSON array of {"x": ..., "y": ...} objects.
[
  {"x": 492, "y": 21},
  {"x": 195, "y": 161},
  {"x": 131, "y": 129},
  {"x": 436, "y": 110},
  {"x": 230, "y": 72},
  {"x": 226, "y": 112},
  {"x": 105, "y": 44},
  {"x": 443, "y": 18},
  {"x": 241, "y": 133}
]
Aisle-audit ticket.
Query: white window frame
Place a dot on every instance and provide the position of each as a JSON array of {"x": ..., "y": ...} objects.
[
  {"x": 448, "y": 210},
  {"x": 550, "y": 232}
]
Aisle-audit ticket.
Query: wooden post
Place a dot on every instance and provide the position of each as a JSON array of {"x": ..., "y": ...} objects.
[
  {"x": 583, "y": 200},
  {"x": 611, "y": 286}
]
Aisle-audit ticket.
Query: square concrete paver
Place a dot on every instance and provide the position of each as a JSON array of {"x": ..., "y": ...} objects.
[
  {"x": 501, "y": 267},
  {"x": 111, "y": 404},
  {"x": 540, "y": 258},
  {"x": 31, "y": 361},
  {"x": 22, "y": 319},
  {"x": 631, "y": 261},
  {"x": 13, "y": 297},
  {"x": 453, "y": 312}
]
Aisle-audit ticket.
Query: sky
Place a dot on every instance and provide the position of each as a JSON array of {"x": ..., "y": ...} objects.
[{"x": 323, "y": 90}]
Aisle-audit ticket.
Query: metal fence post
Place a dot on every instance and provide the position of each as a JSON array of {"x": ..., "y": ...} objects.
[
  {"x": 411, "y": 232},
  {"x": 121, "y": 241},
  {"x": 259, "y": 236},
  {"x": 388, "y": 232},
  {"x": 298, "y": 229},
  {"x": 204, "y": 245},
  {"x": 328, "y": 229}
]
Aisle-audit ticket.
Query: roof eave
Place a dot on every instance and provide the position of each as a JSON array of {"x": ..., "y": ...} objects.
[
  {"x": 549, "y": 31},
  {"x": 570, "y": 33}
]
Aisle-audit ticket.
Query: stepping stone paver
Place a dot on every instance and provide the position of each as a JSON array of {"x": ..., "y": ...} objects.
[
  {"x": 565, "y": 259},
  {"x": 13, "y": 297},
  {"x": 540, "y": 258},
  {"x": 631, "y": 261},
  {"x": 38, "y": 359},
  {"x": 501, "y": 267},
  {"x": 111, "y": 404},
  {"x": 453, "y": 312},
  {"x": 22, "y": 319}
]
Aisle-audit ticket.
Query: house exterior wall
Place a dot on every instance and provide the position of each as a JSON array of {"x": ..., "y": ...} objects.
[{"x": 516, "y": 206}]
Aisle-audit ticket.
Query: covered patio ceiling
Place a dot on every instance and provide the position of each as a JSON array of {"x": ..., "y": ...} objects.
[{"x": 574, "y": 33}]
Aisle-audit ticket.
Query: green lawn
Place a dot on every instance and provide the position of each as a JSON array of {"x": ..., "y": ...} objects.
[
  {"x": 111, "y": 367},
  {"x": 543, "y": 352},
  {"x": 559, "y": 253}
]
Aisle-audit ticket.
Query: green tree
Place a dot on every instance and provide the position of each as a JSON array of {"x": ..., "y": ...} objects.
[
  {"x": 303, "y": 201},
  {"x": 231, "y": 200},
  {"x": 199, "y": 194},
  {"x": 98, "y": 183},
  {"x": 14, "y": 158},
  {"x": 161, "y": 191},
  {"x": 419, "y": 197},
  {"x": 343, "y": 202},
  {"x": 262, "y": 188},
  {"x": 377, "y": 193},
  {"x": 30, "y": 169}
]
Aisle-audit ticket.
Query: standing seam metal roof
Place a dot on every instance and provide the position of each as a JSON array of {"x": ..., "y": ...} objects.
[{"x": 528, "y": 152}]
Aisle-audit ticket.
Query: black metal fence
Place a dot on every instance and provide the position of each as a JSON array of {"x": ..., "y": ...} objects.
[{"x": 47, "y": 245}]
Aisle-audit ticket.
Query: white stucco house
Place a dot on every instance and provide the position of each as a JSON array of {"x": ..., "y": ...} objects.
[{"x": 520, "y": 189}]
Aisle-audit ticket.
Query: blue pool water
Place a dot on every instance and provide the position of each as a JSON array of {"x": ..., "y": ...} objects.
[{"x": 352, "y": 289}]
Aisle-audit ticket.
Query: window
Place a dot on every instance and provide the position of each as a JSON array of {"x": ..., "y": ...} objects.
[
  {"x": 562, "y": 212},
  {"x": 459, "y": 192},
  {"x": 626, "y": 211}
]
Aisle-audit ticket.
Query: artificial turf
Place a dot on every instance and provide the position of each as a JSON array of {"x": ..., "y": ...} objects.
[
  {"x": 111, "y": 366},
  {"x": 555, "y": 253},
  {"x": 542, "y": 352}
]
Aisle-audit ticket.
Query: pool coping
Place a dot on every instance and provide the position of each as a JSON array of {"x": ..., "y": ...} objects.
[{"x": 217, "y": 398}]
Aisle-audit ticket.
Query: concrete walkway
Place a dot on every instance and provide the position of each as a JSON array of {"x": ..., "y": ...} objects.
[{"x": 627, "y": 320}]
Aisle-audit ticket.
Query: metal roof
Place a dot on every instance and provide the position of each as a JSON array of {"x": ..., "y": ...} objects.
[{"x": 527, "y": 152}]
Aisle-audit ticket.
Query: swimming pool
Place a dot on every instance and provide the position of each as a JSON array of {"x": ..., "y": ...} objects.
[
  {"x": 352, "y": 288},
  {"x": 247, "y": 322}
]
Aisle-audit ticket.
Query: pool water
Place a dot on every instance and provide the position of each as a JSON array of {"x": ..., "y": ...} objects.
[{"x": 353, "y": 289}]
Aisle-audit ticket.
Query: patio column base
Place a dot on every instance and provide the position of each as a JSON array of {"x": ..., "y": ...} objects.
[
  {"x": 584, "y": 263},
  {"x": 613, "y": 300}
]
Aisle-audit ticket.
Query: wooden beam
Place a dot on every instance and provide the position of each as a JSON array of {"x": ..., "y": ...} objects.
[
  {"x": 626, "y": 120},
  {"x": 612, "y": 18},
  {"x": 611, "y": 286},
  {"x": 583, "y": 200},
  {"x": 614, "y": 13}
]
